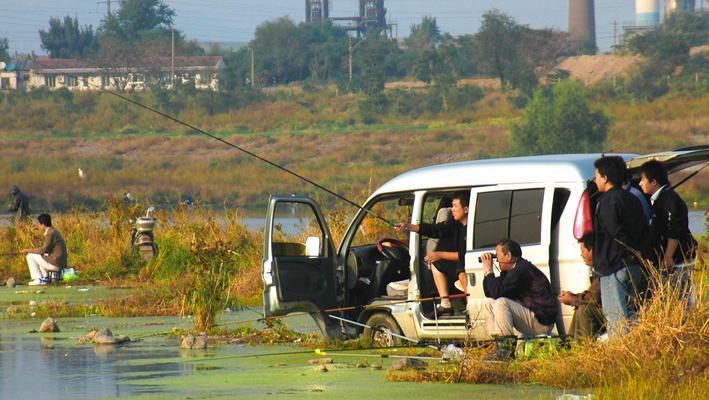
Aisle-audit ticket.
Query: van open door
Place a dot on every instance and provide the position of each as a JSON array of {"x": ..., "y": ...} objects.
[
  {"x": 673, "y": 161},
  {"x": 519, "y": 212},
  {"x": 299, "y": 261}
]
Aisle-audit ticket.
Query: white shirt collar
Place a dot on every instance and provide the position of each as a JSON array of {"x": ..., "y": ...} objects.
[
  {"x": 657, "y": 194},
  {"x": 46, "y": 230}
]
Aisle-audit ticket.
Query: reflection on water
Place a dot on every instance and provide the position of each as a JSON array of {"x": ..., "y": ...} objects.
[{"x": 34, "y": 368}]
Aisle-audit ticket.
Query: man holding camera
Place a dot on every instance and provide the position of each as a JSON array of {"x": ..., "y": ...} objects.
[{"x": 520, "y": 299}]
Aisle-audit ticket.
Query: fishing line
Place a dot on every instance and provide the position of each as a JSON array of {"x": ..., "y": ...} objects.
[{"x": 208, "y": 134}]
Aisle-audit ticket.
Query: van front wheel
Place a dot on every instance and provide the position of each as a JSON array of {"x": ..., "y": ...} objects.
[{"x": 378, "y": 336}]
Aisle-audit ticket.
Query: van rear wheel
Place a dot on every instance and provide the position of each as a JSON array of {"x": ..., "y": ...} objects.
[{"x": 381, "y": 322}]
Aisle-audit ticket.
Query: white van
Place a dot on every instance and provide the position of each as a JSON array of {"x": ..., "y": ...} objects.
[{"x": 532, "y": 200}]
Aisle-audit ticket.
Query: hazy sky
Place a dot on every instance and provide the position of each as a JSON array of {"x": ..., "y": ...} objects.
[{"x": 235, "y": 20}]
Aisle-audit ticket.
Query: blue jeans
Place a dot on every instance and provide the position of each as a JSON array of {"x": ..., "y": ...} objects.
[{"x": 618, "y": 297}]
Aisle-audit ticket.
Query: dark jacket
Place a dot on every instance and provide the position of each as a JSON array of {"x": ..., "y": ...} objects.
[
  {"x": 619, "y": 226},
  {"x": 671, "y": 221},
  {"x": 527, "y": 285},
  {"x": 54, "y": 249},
  {"x": 20, "y": 206},
  {"x": 592, "y": 295},
  {"x": 449, "y": 229}
]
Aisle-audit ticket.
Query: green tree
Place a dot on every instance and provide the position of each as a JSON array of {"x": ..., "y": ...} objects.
[
  {"x": 559, "y": 120},
  {"x": 4, "y": 50},
  {"x": 137, "y": 20},
  {"x": 66, "y": 39},
  {"x": 497, "y": 42},
  {"x": 424, "y": 36}
]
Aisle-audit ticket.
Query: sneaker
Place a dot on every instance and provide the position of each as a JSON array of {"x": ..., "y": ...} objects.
[
  {"x": 602, "y": 338},
  {"x": 39, "y": 282}
]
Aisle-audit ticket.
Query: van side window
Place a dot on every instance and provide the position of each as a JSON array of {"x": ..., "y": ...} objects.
[
  {"x": 296, "y": 231},
  {"x": 515, "y": 214}
]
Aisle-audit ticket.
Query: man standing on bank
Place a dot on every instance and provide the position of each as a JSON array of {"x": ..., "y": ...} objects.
[
  {"x": 51, "y": 257},
  {"x": 619, "y": 226}
]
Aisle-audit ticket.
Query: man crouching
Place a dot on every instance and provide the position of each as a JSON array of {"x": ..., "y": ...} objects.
[{"x": 519, "y": 300}]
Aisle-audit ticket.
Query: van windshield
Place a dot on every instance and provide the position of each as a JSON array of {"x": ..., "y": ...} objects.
[{"x": 372, "y": 229}]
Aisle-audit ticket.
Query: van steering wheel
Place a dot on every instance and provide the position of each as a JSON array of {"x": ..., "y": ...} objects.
[{"x": 394, "y": 250}]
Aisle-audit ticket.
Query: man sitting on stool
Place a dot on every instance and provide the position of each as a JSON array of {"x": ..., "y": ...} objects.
[
  {"x": 51, "y": 257},
  {"x": 520, "y": 299}
]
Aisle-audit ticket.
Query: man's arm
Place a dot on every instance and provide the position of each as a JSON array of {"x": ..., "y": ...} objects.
[
  {"x": 441, "y": 255},
  {"x": 42, "y": 249}
]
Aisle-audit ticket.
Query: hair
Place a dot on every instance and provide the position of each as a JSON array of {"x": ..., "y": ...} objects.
[
  {"x": 510, "y": 247},
  {"x": 655, "y": 171},
  {"x": 588, "y": 240},
  {"x": 44, "y": 219},
  {"x": 463, "y": 198},
  {"x": 613, "y": 168}
]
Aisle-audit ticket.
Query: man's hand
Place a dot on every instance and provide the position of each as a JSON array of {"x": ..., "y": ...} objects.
[
  {"x": 25, "y": 251},
  {"x": 403, "y": 227},
  {"x": 669, "y": 262},
  {"x": 433, "y": 257},
  {"x": 487, "y": 262},
  {"x": 567, "y": 298}
]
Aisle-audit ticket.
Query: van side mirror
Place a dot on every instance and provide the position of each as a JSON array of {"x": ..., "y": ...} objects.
[{"x": 312, "y": 246}]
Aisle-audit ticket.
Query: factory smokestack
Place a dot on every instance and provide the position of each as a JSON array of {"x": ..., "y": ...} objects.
[
  {"x": 647, "y": 12},
  {"x": 582, "y": 20}
]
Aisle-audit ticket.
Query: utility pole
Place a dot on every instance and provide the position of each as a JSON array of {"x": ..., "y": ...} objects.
[
  {"x": 253, "y": 69},
  {"x": 351, "y": 50},
  {"x": 172, "y": 74},
  {"x": 108, "y": 4},
  {"x": 615, "y": 28}
]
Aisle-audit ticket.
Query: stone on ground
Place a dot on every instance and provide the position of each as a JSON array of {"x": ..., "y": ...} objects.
[
  {"x": 49, "y": 325},
  {"x": 407, "y": 363}
]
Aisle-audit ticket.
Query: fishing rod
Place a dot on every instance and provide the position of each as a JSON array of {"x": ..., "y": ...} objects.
[
  {"x": 339, "y": 309},
  {"x": 9, "y": 254},
  {"x": 324, "y": 353},
  {"x": 226, "y": 142},
  {"x": 690, "y": 176}
]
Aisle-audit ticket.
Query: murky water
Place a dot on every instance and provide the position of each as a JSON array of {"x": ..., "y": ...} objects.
[{"x": 55, "y": 366}]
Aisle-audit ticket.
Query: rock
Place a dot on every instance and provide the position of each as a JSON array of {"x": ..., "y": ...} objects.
[
  {"x": 11, "y": 310},
  {"x": 187, "y": 341},
  {"x": 104, "y": 336},
  {"x": 313, "y": 361},
  {"x": 88, "y": 338},
  {"x": 200, "y": 342},
  {"x": 376, "y": 366},
  {"x": 322, "y": 368},
  {"x": 407, "y": 363},
  {"x": 10, "y": 282},
  {"x": 49, "y": 325},
  {"x": 321, "y": 361},
  {"x": 361, "y": 365}
]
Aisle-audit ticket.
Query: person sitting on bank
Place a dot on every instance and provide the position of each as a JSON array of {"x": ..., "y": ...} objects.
[
  {"x": 455, "y": 228},
  {"x": 588, "y": 319},
  {"x": 520, "y": 299},
  {"x": 51, "y": 257}
]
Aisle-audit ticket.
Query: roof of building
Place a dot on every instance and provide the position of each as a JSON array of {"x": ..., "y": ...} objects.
[{"x": 65, "y": 65}]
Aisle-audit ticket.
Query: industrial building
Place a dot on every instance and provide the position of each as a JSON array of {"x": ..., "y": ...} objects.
[
  {"x": 582, "y": 21},
  {"x": 371, "y": 15}
]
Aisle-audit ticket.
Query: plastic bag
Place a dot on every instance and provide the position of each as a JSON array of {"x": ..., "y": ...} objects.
[{"x": 69, "y": 275}]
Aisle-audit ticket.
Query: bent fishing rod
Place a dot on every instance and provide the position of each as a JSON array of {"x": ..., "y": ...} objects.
[{"x": 226, "y": 142}]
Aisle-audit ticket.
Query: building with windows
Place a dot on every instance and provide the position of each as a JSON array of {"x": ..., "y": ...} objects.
[
  {"x": 200, "y": 72},
  {"x": 15, "y": 75}
]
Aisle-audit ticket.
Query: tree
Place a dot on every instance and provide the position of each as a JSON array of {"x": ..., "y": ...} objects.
[
  {"x": 498, "y": 40},
  {"x": 137, "y": 20},
  {"x": 424, "y": 36},
  {"x": 65, "y": 39},
  {"x": 559, "y": 121},
  {"x": 4, "y": 50}
]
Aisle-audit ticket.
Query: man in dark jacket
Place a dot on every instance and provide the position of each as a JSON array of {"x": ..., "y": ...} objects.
[
  {"x": 588, "y": 319},
  {"x": 672, "y": 244},
  {"x": 619, "y": 226},
  {"x": 455, "y": 230},
  {"x": 520, "y": 298},
  {"x": 19, "y": 205},
  {"x": 50, "y": 257}
]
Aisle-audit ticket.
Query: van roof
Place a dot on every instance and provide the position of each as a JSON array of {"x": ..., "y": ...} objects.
[{"x": 534, "y": 169}]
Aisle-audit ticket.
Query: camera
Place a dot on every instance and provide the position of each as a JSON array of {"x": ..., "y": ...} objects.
[{"x": 494, "y": 257}]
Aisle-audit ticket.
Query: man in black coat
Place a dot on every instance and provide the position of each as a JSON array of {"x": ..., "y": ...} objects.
[
  {"x": 19, "y": 205},
  {"x": 619, "y": 226},
  {"x": 673, "y": 247},
  {"x": 520, "y": 298},
  {"x": 672, "y": 242}
]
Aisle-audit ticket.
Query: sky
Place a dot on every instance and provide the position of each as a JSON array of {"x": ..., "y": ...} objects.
[{"x": 236, "y": 20}]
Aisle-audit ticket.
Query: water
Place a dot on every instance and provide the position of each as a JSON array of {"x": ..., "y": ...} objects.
[{"x": 697, "y": 223}]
